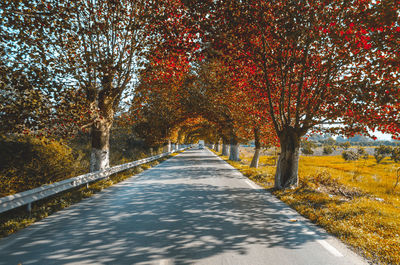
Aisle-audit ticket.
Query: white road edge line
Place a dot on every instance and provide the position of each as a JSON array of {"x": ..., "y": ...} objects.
[
  {"x": 325, "y": 244},
  {"x": 330, "y": 248},
  {"x": 166, "y": 262},
  {"x": 251, "y": 184}
]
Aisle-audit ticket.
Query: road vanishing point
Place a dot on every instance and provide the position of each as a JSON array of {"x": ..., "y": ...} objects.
[{"x": 191, "y": 209}]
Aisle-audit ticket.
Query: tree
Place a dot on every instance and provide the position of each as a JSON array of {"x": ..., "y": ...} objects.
[
  {"x": 327, "y": 150},
  {"x": 346, "y": 145},
  {"x": 31, "y": 101},
  {"x": 194, "y": 129},
  {"x": 257, "y": 144},
  {"x": 21, "y": 105},
  {"x": 318, "y": 62},
  {"x": 330, "y": 141},
  {"x": 395, "y": 155},
  {"x": 226, "y": 103},
  {"x": 94, "y": 47},
  {"x": 157, "y": 105},
  {"x": 381, "y": 152},
  {"x": 350, "y": 155},
  {"x": 362, "y": 153},
  {"x": 307, "y": 147},
  {"x": 255, "y": 124},
  {"x": 214, "y": 99}
]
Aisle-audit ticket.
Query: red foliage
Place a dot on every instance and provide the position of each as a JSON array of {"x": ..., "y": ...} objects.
[{"x": 341, "y": 65}]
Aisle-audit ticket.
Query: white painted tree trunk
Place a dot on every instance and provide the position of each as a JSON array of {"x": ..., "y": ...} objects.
[
  {"x": 100, "y": 153},
  {"x": 99, "y": 159},
  {"x": 256, "y": 156},
  {"x": 167, "y": 147},
  {"x": 216, "y": 147},
  {"x": 234, "y": 152},
  {"x": 225, "y": 149}
]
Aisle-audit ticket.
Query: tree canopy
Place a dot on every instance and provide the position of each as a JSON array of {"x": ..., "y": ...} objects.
[{"x": 225, "y": 70}]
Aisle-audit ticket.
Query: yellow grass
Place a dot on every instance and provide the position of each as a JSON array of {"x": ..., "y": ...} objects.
[{"x": 356, "y": 201}]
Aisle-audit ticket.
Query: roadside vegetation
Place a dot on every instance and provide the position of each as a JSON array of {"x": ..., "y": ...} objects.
[
  {"x": 19, "y": 218},
  {"x": 177, "y": 72},
  {"x": 357, "y": 201},
  {"x": 29, "y": 162}
]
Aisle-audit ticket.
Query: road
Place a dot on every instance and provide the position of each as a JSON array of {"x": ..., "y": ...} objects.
[{"x": 191, "y": 209}]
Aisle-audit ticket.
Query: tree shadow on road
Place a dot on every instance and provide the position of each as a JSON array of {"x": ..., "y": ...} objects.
[
  {"x": 138, "y": 222},
  {"x": 182, "y": 222}
]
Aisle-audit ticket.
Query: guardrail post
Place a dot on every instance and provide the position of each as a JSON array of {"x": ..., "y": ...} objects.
[{"x": 29, "y": 207}]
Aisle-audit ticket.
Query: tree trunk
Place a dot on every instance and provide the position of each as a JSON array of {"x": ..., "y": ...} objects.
[
  {"x": 167, "y": 147},
  {"x": 256, "y": 156},
  {"x": 216, "y": 146},
  {"x": 225, "y": 148},
  {"x": 288, "y": 162},
  {"x": 234, "y": 152},
  {"x": 100, "y": 153}
]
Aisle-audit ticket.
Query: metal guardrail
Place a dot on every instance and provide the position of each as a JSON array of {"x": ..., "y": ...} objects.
[{"x": 29, "y": 196}]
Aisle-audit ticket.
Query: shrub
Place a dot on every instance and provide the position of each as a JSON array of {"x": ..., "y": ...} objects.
[
  {"x": 381, "y": 152},
  {"x": 328, "y": 150},
  {"x": 362, "y": 153},
  {"x": 27, "y": 162},
  {"x": 395, "y": 154},
  {"x": 307, "y": 148},
  {"x": 330, "y": 141},
  {"x": 350, "y": 155},
  {"x": 345, "y": 145}
]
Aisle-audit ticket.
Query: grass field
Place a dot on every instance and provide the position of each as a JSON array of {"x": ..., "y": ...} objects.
[{"x": 356, "y": 201}]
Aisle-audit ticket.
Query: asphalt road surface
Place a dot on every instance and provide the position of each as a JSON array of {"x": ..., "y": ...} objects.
[{"x": 191, "y": 209}]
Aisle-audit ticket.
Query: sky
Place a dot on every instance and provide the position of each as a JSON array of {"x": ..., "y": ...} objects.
[{"x": 382, "y": 136}]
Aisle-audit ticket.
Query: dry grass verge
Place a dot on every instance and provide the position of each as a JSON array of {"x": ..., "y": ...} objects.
[{"x": 355, "y": 201}]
